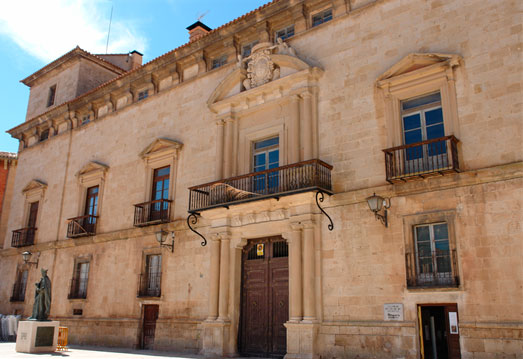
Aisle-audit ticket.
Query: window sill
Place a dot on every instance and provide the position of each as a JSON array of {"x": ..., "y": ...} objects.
[
  {"x": 78, "y": 299},
  {"x": 434, "y": 289}
]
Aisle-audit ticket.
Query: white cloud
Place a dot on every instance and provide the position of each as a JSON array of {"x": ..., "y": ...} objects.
[{"x": 48, "y": 29}]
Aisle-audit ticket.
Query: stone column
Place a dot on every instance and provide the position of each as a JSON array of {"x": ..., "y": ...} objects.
[
  {"x": 227, "y": 148},
  {"x": 309, "y": 295},
  {"x": 306, "y": 126},
  {"x": 294, "y": 131},
  {"x": 219, "y": 150},
  {"x": 295, "y": 275},
  {"x": 224, "y": 280},
  {"x": 214, "y": 280}
]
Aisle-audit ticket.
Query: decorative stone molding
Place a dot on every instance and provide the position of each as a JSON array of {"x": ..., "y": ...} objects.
[
  {"x": 415, "y": 75},
  {"x": 35, "y": 189},
  {"x": 161, "y": 152}
]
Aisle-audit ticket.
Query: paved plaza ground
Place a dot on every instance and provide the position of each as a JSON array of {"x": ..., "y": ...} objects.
[{"x": 7, "y": 351}]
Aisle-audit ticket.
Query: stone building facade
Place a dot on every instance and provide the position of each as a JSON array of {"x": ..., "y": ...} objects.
[{"x": 282, "y": 144}]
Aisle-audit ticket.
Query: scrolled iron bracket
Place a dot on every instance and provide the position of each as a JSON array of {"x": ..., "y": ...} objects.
[
  {"x": 193, "y": 219},
  {"x": 319, "y": 198}
]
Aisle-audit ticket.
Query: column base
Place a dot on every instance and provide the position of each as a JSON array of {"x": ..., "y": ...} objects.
[
  {"x": 302, "y": 340},
  {"x": 215, "y": 338}
]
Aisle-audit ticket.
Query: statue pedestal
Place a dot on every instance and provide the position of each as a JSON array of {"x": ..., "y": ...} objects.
[{"x": 37, "y": 337}]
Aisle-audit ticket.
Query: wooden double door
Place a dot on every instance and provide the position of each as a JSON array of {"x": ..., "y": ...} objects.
[{"x": 264, "y": 298}]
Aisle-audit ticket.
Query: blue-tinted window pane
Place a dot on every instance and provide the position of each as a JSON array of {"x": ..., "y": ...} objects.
[
  {"x": 441, "y": 231},
  {"x": 411, "y": 122},
  {"x": 442, "y": 246},
  {"x": 162, "y": 171},
  {"x": 422, "y": 233},
  {"x": 266, "y": 143},
  {"x": 274, "y": 157},
  {"x": 435, "y": 131},
  {"x": 259, "y": 160},
  {"x": 413, "y": 137},
  {"x": 434, "y": 116},
  {"x": 420, "y": 101}
]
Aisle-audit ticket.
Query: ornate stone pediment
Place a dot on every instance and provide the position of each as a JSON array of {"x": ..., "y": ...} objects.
[
  {"x": 268, "y": 63},
  {"x": 160, "y": 148},
  {"x": 415, "y": 63},
  {"x": 91, "y": 167},
  {"x": 35, "y": 185}
]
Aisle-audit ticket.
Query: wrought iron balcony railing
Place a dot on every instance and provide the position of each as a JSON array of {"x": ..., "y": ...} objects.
[
  {"x": 23, "y": 237},
  {"x": 82, "y": 226},
  {"x": 437, "y": 270},
  {"x": 150, "y": 285},
  {"x": 78, "y": 288},
  {"x": 153, "y": 212},
  {"x": 273, "y": 183},
  {"x": 421, "y": 159},
  {"x": 18, "y": 294}
]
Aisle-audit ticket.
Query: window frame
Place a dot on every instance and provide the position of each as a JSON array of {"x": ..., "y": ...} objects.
[
  {"x": 322, "y": 13},
  {"x": 286, "y": 29},
  {"x": 218, "y": 62},
  {"x": 74, "y": 292},
  {"x": 33, "y": 192},
  {"x": 410, "y": 222},
  {"x": 91, "y": 175},
  {"x": 143, "y": 270},
  {"x": 249, "y": 45},
  {"x": 399, "y": 84},
  {"x": 142, "y": 95},
  {"x": 18, "y": 280},
  {"x": 51, "y": 96}
]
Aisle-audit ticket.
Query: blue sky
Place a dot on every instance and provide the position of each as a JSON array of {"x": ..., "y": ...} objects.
[{"x": 35, "y": 32}]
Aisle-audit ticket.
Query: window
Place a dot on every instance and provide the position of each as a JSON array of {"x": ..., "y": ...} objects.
[
  {"x": 218, "y": 62},
  {"x": 44, "y": 135},
  {"x": 80, "y": 279},
  {"x": 246, "y": 49},
  {"x": 142, "y": 95},
  {"x": 285, "y": 33},
  {"x": 91, "y": 209},
  {"x": 34, "y": 194},
  {"x": 433, "y": 256},
  {"x": 266, "y": 155},
  {"x": 150, "y": 281},
  {"x": 160, "y": 193},
  {"x": 420, "y": 108},
  {"x": 31, "y": 223},
  {"x": 321, "y": 17},
  {"x": 51, "y": 96},
  {"x": 85, "y": 119},
  {"x": 19, "y": 286},
  {"x": 422, "y": 120}
]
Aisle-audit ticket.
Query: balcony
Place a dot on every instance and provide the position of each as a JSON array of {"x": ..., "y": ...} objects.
[
  {"x": 153, "y": 212},
  {"x": 18, "y": 292},
  {"x": 82, "y": 226},
  {"x": 299, "y": 177},
  {"x": 437, "y": 271},
  {"x": 78, "y": 289},
  {"x": 150, "y": 285},
  {"x": 23, "y": 237},
  {"x": 422, "y": 159}
]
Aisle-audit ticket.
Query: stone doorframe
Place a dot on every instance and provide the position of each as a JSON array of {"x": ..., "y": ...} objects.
[{"x": 220, "y": 329}]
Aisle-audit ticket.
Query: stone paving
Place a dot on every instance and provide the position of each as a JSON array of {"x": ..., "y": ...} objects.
[{"x": 7, "y": 351}]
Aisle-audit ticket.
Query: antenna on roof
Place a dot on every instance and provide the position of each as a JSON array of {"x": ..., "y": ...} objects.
[
  {"x": 109, "y": 31},
  {"x": 202, "y": 15}
]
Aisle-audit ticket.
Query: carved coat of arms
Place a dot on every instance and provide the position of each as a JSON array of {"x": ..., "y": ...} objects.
[{"x": 260, "y": 68}]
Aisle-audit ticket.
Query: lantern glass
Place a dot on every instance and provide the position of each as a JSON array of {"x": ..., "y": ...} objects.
[
  {"x": 375, "y": 202},
  {"x": 160, "y": 237},
  {"x": 26, "y": 256}
]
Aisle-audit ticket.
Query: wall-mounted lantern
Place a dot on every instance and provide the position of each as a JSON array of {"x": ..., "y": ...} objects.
[
  {"x": 26, "y": 256},
  {"x": 161, "y": 237},
  {"x": 376, "y": 203}
]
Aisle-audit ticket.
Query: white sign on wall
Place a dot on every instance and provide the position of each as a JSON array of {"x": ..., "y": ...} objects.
[
  {"x": 453, "y": 322},
  {"x": 393, "y": 312}
]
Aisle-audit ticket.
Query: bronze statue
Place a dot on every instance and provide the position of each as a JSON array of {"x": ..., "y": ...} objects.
[{"x": 42, "y": 304}]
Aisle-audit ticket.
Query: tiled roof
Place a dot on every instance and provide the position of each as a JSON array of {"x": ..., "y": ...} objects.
[
  {"x": 77, "y": 51},
  {"x": 8, "y": 155},
  {"x": 152, "y": 61}
]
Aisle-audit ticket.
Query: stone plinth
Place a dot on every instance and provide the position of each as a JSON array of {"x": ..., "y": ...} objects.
[
  {"x": 215, "y": 338},
  {"x": 302, "y": 340},
  {"x": 37, "y": 337}
]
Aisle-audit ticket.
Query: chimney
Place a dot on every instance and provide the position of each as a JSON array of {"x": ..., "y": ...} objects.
[
  {"x": 136, "y": 59},
  {"x": 197, "y": 30}
]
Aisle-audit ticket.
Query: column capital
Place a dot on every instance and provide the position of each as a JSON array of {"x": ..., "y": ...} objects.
[
  {"x": 220, "y": 122},
  {"x": 221, "y": 236},
  {"x": 305, "y": 94}
]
